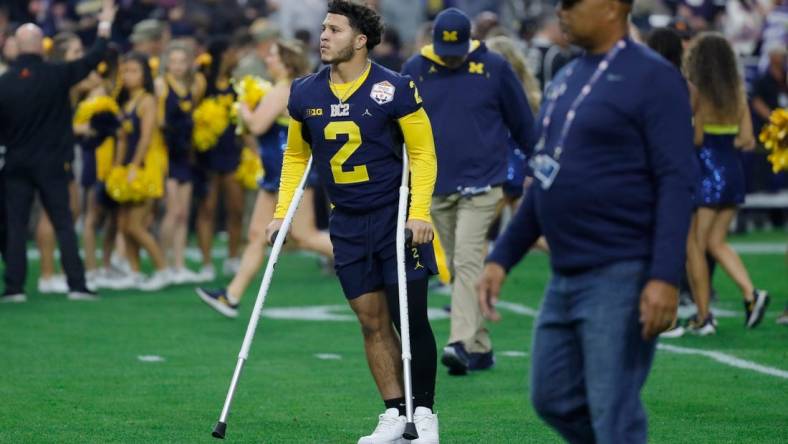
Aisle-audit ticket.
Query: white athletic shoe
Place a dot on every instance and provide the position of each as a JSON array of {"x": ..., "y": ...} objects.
[
  {"x": 183, "y": 276},
  {"x": 54, "y": 284},
  {"x": 231, "y": 266},
  {"x": 16, "y": 298},
  {"x": 82, "y": 296},
  {"x": 206, "y": 274},
  {"x": 116, "y": 280},
  {"x": 426, "y": 426},
  {"x": 120, "y": 263},
  {"x": 390, "y": 428},
  {"x": 92, "y": 279},
  {"x": 156, "y": 282}
]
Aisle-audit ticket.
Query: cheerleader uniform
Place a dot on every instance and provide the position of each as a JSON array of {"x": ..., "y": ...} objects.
[
  {"x": 225, "y": 157},
  {"x": 155, "y": 161},
  {"x": 177, "y": 109},
  {"x": 722, "y": 180}
]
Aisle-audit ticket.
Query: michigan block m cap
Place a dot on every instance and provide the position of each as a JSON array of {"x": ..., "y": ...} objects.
[{"x": 451, "y": 35}]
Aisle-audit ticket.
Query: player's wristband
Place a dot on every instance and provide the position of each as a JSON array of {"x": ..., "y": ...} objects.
[{"x": 104, "y": 26}]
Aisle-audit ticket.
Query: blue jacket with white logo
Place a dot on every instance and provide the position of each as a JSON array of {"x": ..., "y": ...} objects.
[{"x": 473, "y": 110}]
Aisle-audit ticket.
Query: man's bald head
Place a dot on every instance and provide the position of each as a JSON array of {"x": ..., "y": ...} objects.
[{"x": 30, "y": 38}]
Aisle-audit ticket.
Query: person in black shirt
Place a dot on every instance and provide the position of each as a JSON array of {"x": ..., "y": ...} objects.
[{"x": 35, "y": 124}]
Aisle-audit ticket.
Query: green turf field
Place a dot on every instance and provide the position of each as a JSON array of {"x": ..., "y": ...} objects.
[{"x": 70, "y": 372}]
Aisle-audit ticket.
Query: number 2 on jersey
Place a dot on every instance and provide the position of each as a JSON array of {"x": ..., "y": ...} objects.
[{"x": 359, "y": 173}]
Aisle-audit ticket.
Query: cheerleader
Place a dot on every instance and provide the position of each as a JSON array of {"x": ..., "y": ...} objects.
[
  {"x": 217, "y": 168},
  {"x": 95, "y": 124},
  {"x": 178, "y": 92},
  {"x": 722, "y": 127},
  {"x": 142, "y": 159},
  {"x": 285, "y": 62}
]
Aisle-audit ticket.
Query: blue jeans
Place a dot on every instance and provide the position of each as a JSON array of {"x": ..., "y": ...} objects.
[{"x": 589, "y": 361}]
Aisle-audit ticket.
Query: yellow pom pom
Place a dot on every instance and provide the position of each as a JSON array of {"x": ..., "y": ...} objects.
[
  {"x": 250, "y": 91},
  {"x": 154, "y": 63},
  {"x": 47, "y": 43},
  {"x": 250, "y": 169},
  {"x": 204, "y": 60},
  {"x": 211, "y": 118},
  {"x": 90, "y": 107},
  {"x": 774, "y": 137}
]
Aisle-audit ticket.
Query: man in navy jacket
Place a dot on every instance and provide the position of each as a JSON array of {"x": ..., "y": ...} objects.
[
  {"x": 475, "y": 103},
  {"x": 614, "y": 163}
]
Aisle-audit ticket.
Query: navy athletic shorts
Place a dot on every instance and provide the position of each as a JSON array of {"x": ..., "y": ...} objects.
[{"x": 365, "y": 255}]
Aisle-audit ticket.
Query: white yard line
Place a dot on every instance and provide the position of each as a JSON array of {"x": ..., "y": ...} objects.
[
  {"x": 720, "y": 357},
  {"x": 726, "y": 359}
]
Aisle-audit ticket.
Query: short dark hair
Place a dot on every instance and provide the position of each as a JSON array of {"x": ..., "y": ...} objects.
[
  {"x": 667, "y": 42},
  {"x": 362, "y": 18}
]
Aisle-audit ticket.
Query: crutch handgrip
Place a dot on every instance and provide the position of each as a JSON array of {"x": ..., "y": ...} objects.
[{"x": 274, "y": 236}]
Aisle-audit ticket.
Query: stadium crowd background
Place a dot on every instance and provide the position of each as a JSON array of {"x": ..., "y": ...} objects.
[{"x": 758, "y": 31}]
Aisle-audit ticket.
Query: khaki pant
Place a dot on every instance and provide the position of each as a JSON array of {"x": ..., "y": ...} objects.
[{"x": 462, "y": 224}]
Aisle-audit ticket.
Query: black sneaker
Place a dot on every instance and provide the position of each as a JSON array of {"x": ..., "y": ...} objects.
[
  {"x": 481, "y": 361},
  {"x": 82, "y": 295},
  {"x": 755, "y": 309},
  {"x": 702, "y": 328},
  {"x": 455, "y": 358},
  {"x": 13, "y": 298},
  {"x": 218, "y": 300}
]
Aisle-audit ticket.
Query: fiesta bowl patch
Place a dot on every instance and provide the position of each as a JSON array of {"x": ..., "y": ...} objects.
[{"x": 382, "y": 92}]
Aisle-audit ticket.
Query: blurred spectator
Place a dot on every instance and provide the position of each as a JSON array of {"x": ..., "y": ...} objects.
[
  {"x": 667, "y": 43},
  {"x": 423, "y": 38},
  {"x": 301, "y": 14},
  {"x": 405, "y": 16},
  {"x": 701, "y": 14},
  {"x": 549, "y": 50},
  {"x": 263, "y": 33},
  {"x": 743, "y": 23},
  {"x": 9, "y": 52},
  {"x": 776, "y": 24},
  {"x": 483, "y": 23},
  {"x": 388, "y": 52},
  {"x": 770, "y": 90},
  {"x": 149, "y": 37},
  {"x": 180, "y": 25}
]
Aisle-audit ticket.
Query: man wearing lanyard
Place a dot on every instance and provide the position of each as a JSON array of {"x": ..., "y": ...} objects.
[{"x": 613, "y": 164}]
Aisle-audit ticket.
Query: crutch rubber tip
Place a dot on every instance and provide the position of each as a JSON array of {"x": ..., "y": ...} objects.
[
  {"x": 218, "y": 431},
  {"x": 410, "y": 432}
]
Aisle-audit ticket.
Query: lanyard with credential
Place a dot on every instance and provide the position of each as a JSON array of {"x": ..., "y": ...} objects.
[{"x": 545, "y": 166}]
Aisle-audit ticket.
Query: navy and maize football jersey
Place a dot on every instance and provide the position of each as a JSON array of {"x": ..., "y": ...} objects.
[{"x": 356, "y": 143}]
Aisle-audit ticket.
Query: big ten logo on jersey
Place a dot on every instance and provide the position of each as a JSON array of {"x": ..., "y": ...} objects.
[
  {"x": 340, "y": 110},
  {"x": 314, "y": 112}
]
